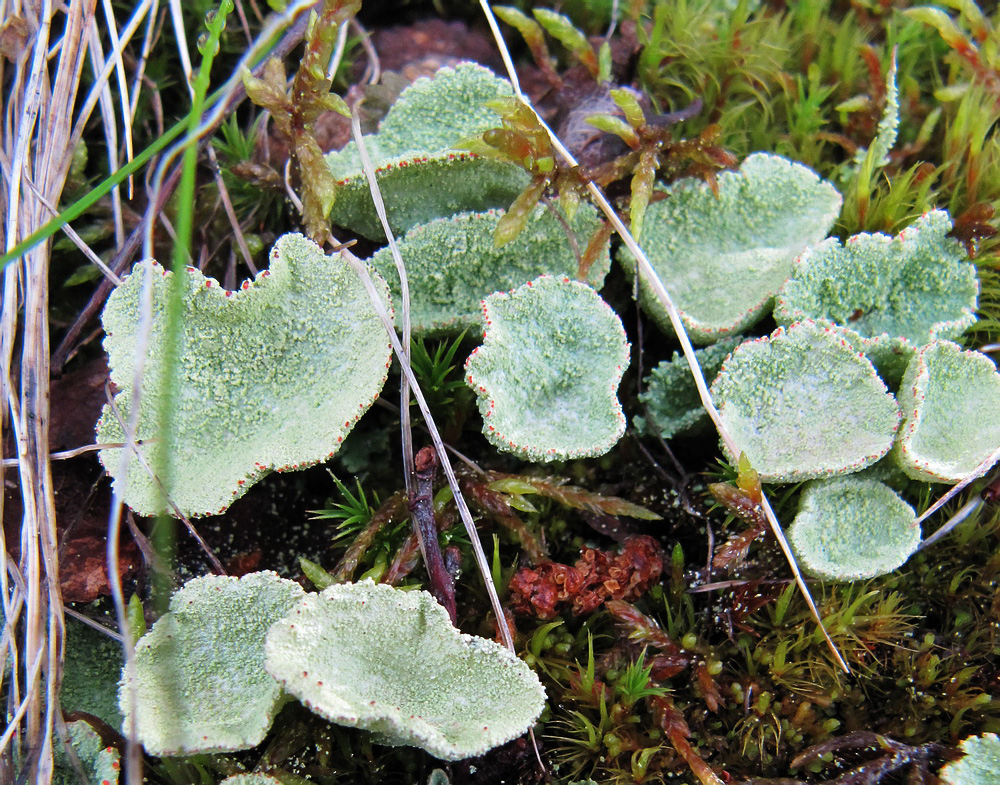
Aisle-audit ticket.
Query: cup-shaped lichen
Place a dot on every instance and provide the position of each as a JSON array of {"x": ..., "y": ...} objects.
[
  {"x": 949, "y": 398},
  {"x": 371, "y": 656},
  {"x": 803, "y": 404},
  {"x": 671, "y": 397},
  {"x": 896, "y": 293},
  {"x": 548, "y": 370},
  {"x": 198, "y": 674},
  {"x": 452, "y": 263},
  {"x": 724, "y": 256},
  {"x": 419, "y": 170},
  {"x": 852, "y": 528},
  {"x": 270, "y": 377}
]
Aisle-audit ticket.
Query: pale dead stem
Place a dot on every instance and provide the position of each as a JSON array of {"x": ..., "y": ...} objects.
[
  {"x": 38, "y": 119},
  {"x": 646, "y": 271},
  {"x": 40, "y": 135}
]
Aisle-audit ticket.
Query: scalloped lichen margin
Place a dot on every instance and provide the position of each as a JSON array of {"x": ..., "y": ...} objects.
[
  {"x": 199, "y": 672},
  {"x": 897, "y": 293},
  {"x": 452, "y": 263},
  {"x": 417, "y": 165},
  {"x": 949, "y": 398},
  {"x": 723, "y": 258},
  {"x": 269, "y": 378},
  {"x": 100, "y": 763},
  {"x": 851, "y": 529},
  {"x": 372, "y": 656},
  {"x": 803, "y": 404},
  {"x": 548, "y": 371},
  {"x": 979, "y": 766}
]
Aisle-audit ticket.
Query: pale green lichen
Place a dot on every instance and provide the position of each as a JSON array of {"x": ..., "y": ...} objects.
[
  {"x": 851, "y": 529},
  {"x": 432, "y": 114},
  {"x": 91, "y": 671},
  {"x": 791, "y": 400},
  {"x": 949, "y": 398},
  {"x": 199, "y": 672},
  {"x": 724, "y": 258},
  {"x": 980, "y": 764},
  {"x": 419, "y": 170},
  {"x": 371, "y": 656},
  {"x": 452, "y": 263},
  {"x": 548, "y": 371},
  {"x": 897, "y": 293},
  {"x": 268, "y": 378},
  {"x": 100, "y": 763},
  {"x": 251, "y": 779},
  {"x": 418, "y": 189},
  {"x": 671, "y": 398}
]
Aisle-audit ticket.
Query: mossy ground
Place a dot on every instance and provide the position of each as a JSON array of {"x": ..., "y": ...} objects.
[{"x": 743, "y": 673}]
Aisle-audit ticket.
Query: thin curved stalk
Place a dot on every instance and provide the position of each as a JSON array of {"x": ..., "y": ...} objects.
[{"x": 648, "y": 273}]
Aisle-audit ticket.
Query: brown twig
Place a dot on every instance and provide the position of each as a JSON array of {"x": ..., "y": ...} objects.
[{"x": 422, "y": 509}]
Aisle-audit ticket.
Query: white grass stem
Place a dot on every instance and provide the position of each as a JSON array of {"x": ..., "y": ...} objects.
[
  {"x": 133, "y": 753},
  {"x": 463, "y": 509},
  {"x": 126, "y": 104},
  {"x": 338, "y": 51},
  {"x": 406, "y": 425},
  {"x": 981, "y": 468},
  {"x": 106, "y": 104}
]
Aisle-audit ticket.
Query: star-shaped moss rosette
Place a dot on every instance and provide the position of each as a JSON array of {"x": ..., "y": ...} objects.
[
  {"x": 671, "y": 398},
  {"x": 949, "y": 399},
  {"x": 897, "y": 293},
  {"x": 269, "y": 378},
  {"x": 548, "y": 371},
  {"x": 389, "y": 661},
  {"x": 452, "y": 264},
  {"x": 979, "y": 766},
  {"x": 851, "y": 529},
  {"x": 419, "y": 170},
  {"x": 803, "y": 404},
  {"x": 199, "y": 672},
  {"x": 723, "y": 258}
]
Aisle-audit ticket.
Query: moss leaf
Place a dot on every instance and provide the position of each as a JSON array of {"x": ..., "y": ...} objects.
[
  {"x": 723, "y": 258},
  {"x": 896, "y": 293},
  {"x": 389, "y": 661},
  {"x": 851, "y": 529},
  {"x": 790, "y": 400},
  {"x": 452, "y": 264},
  {"x": 948, "y": 397},
  {"x": 271, "y": 377},
  {"x": 548, "y": 371},
  {"x": 199, "y": 672}
]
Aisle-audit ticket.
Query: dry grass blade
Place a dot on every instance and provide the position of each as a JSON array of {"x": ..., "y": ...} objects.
[
  {"x": 404, "y": 396},
  {"x": 41, "y": 98},
  {"x": 647, "y": 272}
]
